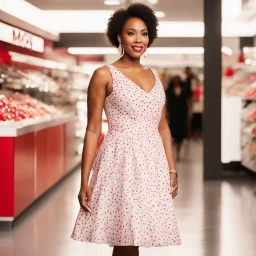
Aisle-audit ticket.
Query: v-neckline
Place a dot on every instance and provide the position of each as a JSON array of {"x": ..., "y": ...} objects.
[{"x": 136, "y": 85}]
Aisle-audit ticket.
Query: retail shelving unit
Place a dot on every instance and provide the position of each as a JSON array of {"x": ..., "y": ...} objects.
[
  {"x": 243, "y": 88},
  {"x": 32, "y": 159}
]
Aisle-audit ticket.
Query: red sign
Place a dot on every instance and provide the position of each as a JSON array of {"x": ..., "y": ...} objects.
[{"x": 22, "y": 38}]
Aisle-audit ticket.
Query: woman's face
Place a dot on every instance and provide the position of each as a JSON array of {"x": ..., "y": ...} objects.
[{"x": 134, "y": 37}]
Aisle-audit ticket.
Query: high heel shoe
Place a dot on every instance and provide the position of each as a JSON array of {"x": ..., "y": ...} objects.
[{"x": 125, "y": 251}]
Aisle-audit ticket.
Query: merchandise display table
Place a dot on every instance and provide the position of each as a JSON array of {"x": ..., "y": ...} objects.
[{"x": 33, "y": 158}]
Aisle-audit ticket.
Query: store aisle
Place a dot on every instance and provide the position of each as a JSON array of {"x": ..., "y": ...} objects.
[{"x": 215, "y": 218}]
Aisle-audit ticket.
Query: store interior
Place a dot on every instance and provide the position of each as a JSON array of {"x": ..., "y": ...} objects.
[{"x": 46, "y": 64}]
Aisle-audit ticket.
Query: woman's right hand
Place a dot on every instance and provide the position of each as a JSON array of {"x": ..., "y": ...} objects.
[{"x": 84, "y": 197}]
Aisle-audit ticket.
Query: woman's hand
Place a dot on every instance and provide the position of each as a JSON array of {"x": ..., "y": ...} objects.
[
  {"x": 84, "y": 197},
  {"x": 174, "y": 185}
]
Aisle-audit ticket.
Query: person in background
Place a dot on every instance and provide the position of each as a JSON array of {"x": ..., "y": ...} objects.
[
  {"x": 188, "y": 86},
  {"x": 198, "y": 104},
  {"x": 178, "y": 109},
  {"x": 188, "y": 80}
]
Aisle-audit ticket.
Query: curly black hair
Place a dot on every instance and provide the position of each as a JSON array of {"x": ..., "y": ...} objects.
[{"x": 120, "y": 16}]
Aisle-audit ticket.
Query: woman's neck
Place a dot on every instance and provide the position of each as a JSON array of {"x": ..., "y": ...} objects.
[{"x": 127, "y": 61}]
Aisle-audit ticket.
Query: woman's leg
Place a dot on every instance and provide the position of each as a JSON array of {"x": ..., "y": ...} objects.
[{"x": 125, "y": 251}]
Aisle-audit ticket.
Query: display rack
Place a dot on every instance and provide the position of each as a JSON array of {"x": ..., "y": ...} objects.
[{"x": 242, "y": 87}]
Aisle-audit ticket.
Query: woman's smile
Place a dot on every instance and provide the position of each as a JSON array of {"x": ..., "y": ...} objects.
[{"x": 137, "y": 48}]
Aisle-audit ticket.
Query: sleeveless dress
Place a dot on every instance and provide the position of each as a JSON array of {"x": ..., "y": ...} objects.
[{"x": 131, "y": 201}]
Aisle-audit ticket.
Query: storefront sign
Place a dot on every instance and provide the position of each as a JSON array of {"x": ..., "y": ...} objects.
[{"x": 20, "y": 38}]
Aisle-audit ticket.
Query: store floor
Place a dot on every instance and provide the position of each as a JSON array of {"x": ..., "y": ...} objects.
[{"x": 214, "y": 218}]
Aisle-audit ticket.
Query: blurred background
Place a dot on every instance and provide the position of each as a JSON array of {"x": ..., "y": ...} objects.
[{"x": 206, "y": 53}]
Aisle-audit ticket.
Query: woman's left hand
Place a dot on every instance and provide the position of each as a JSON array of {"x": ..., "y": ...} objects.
[{"x": 174, "y": 185}]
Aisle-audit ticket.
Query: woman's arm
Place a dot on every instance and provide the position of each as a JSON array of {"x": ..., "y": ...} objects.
[
  {"x": 95, "y": 102},
  {"x": 165, "y": 133}
]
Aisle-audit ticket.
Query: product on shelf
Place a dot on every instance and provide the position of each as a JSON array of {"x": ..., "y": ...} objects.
[
  {"x": 17, "y": 107},
  {"x": 29, "y": 96},
  {"x": 243, "y": 85},
  {"x": 251, "y": 94},
  {"x": 252, "y": 116}
]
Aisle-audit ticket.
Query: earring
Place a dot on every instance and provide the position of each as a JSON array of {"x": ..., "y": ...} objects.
[
  {"x": 145, "y": 54},
  {"x": 120, "y": 49}
]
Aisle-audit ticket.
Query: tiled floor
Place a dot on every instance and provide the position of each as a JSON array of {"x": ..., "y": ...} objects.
[{"x": 215, "y": 218}]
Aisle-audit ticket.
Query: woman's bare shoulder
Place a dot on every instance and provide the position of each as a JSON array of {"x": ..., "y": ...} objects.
[
  {"x": 100, "y": 78},
  {"x": 102, "y": 71}
]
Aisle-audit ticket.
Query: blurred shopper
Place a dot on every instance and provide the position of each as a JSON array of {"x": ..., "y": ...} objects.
[
  {"x": 178, "y": 110},
  {"x": 124, "y": 204},
  {"x": 188, "y": 87},
  {"x": 198, "y": 105},
  {"x": 188, "y": 80}
]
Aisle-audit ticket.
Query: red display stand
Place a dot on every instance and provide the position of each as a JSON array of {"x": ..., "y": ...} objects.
[{"x": 32, "y": 163}]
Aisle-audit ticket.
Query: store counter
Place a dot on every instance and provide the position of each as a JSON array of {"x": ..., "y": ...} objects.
[{"x": 34, "y": 157}]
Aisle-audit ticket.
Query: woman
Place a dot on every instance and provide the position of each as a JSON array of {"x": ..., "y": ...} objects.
[
  {"x": 131, "y": 189},
  {"x": 178, "y": 110}
]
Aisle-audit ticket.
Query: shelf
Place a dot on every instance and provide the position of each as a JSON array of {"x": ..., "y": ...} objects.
[
  {"x": 244, "y": 99},
  {"x": 246, "y": 133},
  {"x": 248, "y": 121},
  {"x": 18, "y": 129}
]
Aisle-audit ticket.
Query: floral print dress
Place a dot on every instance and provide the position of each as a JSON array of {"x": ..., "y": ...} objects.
[{"x": 131, "y": 201}]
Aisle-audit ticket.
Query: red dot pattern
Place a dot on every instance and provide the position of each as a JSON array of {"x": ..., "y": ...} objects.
[{"x": 131, "y": 201}]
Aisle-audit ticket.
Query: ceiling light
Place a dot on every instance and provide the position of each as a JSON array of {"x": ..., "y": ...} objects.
[
  {"x": 160, "y": 14},
  {"x": 92, "y": 50},
  {"x": 176, "y": 50},
  {"x": 246, "y": 49},
  {"x": 111, "y": 2},
  {"x": 35, "y": 61},
  {"x": 28, "y": 13},
  {"x": 153, "y": 1},
  {"x": 248, "y": 61},
  {"x": 231, "y": 9},
  {"x": 84, "y": 21},
  {"x": 238, "y": 29},
  {"x": 227, "y": 50},
  {"x": 180, "y": 29}
]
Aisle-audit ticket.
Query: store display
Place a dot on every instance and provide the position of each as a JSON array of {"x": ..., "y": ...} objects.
[
  {"x": 30, "y": 96},
  {"x": 43, "y": 117},
  {"x": 17, "y": 107},
  {"x": 37, "y": 126},
  {"x": 242, "y": 89}
]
